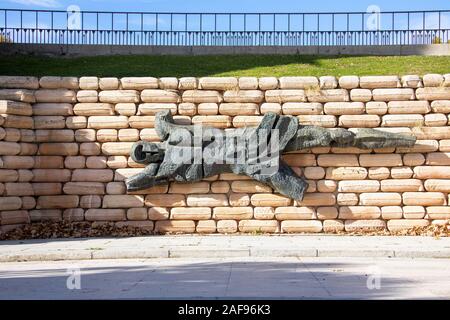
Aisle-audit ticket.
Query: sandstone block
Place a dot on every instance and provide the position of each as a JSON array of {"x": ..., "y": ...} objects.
[
  {"x": 220, "y": 187},
  {"x": 227, "y": 226},
  {"x": 424, "y": 199},
  {"x": 432, "y": 172},
  {"x": 238, "y": 108},
  {"x": 268, "y": 83},
  {"x": 349, "y": 82},
  {"x": 139, "y": 83},
  {"x": 295, "y": 213},
  {"x": 206, "y": 226},
  {"x": 347, "y": 199},
  {"x": 373, "y": 160},
  {"x": 239, "y": 199},
  {"x": 401, "y": 185},
  {"x": 376, "y": 107},
  {"x": 190, "y": 213},
  {"x": 166, "y": 200},
  {"x": 373, "y": 82},
  {"x": 45, "y": 215},
  {"x": 125, "y": 109},
  {"x": 77, "y": 122},
  {"x": 433, "y": 93},
  {"x": 218, "y": 83},
  {"x": 298, "y": 82},
  {"x": 438, "y": 212},
  {"x": 363, "y": 95},
  {"x": 213, "y": 121},
  {"x": 175, "y": 226},
  {"x": 346, "y": 173},
  {"x": 413, "y": 212},
  {"x": 105, "y": 214},
  {"x": 408, "y": 107},
  {"x": 433, "y": 80},
  {"x": 51, "y": 175},
  {"x": 51, "y": 82},
  {"x": 359, "y": 186},
  {"x": 243, "y": 96},
  {"x": 108, "y": 122},
  {"x": 344, "y": 108},
  {"x": 356, "y": 212},
  {"x": 326, "y": 121},
  {"x": 168, "y": 83},
  {"x": 14, "y": 217},
  {"x": 160, "y": 96},
  {"x": 84, "y": 188},
  {"x": 57, "y": 202},
  {"x": 55, "y": 95},
  {"x": 58, "y": 149},
  {"x": 401, "y": 173},
  {"x": 107, "y": 135},
  {"x": 333, "y": 160},
  {"x": 403, "y": 120},
  {"x": 21, "y": 95},
  {"x": 94, "y": 109},
  {"x": 411, "y": 81},
  {"x": 404, "y": 224},
  {"x": 328, "y": 95},
  {"x": 187, "y": 83},
  {"x": 88, "y": 83},
  {"x": 333, "y": 226},
  {"x": 207, "y": 109},
  {"x": 366, "y": 225},
  {"x": 88, "y": 96},
  {"x": 187, "y": 109},
  {"x": 189, "y": 188},
  {"x": 393, "y": 94},
  {"x": 123, "y": 201},
  {"x": 119, "y": 96},
  {"x": 269, "y": 226},
  {"x": 15, "y": 108},
  {"x": 286, "y": 95},
  {"x": 200, "y": 96},
  {"x": 368, "y": 121},
  {"x": 380, "y": 199},
  {"x": 92, "y": 175},
  {"x": 9, "y": 148},
  {"x": 248, "y": 83},
  {"x": 299, "y": 226},
  {"x": 19, "y": 82},
  {"x": 435, "y": 120}
]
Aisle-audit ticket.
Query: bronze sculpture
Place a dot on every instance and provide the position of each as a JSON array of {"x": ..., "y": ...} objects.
[{"x": 190, "y": 153}]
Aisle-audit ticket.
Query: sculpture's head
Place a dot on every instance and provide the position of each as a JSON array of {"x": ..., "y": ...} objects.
[{"x": 147, "y": 152}]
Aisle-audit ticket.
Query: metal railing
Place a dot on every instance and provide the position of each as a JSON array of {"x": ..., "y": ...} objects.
[{"x": 224, "y": 29}]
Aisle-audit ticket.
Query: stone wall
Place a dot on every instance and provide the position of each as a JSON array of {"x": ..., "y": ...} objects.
[{"x": 64, "y": 146}]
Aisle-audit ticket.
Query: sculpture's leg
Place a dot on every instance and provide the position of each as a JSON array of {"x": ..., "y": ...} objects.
[
  {"x": 145, "y": 179},
  {"x": 285, "y": 181}
]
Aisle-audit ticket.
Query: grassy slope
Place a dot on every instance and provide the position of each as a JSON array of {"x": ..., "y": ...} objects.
[{"x": 248, "y": 65}]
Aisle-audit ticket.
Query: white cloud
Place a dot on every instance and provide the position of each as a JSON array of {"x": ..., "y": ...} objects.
[{"x": 39, "y": 3}]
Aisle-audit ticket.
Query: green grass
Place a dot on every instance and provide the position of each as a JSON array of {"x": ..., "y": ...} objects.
[{"x": 243, "y": 65}]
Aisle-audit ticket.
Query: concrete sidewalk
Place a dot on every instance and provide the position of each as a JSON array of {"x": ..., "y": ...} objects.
[{"x": 221, "y": 246}]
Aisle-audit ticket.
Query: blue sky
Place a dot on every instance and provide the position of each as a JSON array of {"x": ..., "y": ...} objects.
[{"x": 229, "y": 5}]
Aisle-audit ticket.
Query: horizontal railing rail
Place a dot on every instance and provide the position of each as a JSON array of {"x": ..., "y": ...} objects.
[{"x": 224, "y": 29}]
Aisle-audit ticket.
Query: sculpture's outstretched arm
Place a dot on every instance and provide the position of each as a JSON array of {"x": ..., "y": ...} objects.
[
  {"x": 364, "y": 138},
  {"x": 145, "y": 179}
]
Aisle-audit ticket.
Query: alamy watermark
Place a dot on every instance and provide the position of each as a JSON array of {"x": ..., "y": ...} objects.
[{"x": 73, "y": 281}]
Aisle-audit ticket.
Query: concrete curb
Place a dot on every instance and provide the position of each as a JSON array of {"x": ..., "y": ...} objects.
[
  {"x": 233, "y": 253},
  {"x": 224, "y": 247}
]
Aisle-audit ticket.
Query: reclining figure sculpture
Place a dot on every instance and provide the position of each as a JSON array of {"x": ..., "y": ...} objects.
[{"x": 191, "y": 153}]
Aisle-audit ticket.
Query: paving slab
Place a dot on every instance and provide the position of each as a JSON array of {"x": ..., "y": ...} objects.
[{"x": 228, "y": 278}]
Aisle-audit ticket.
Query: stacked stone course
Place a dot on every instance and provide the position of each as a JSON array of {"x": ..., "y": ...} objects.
[{"x": 65, "y": 143}]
